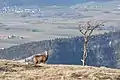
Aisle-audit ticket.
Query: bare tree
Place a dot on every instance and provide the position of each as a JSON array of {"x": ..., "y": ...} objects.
[{"x": 86, "y": 29}]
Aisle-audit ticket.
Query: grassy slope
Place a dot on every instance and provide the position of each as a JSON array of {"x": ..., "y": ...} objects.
[{"x": 10, "y": 70}]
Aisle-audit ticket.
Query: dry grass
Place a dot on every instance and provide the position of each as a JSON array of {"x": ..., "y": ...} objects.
[{"x": 10, "y": 70}]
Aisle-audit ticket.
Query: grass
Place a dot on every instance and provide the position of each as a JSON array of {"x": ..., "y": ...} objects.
[{"x": 11, "y": 70}]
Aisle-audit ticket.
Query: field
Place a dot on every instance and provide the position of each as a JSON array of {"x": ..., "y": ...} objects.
[
  {"x": 17, "y": 27},
  {"x": 30, "y": 29},
  {"x": 11, "y": 70},
  {"x": 15, "y": 30}
]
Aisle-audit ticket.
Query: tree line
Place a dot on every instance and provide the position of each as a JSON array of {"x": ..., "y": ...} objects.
[{"x": 103, "y": 50}]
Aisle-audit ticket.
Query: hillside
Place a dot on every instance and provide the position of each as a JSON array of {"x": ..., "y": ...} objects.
[
  {"x": 103, "y": 50},
  {"x": 10, "y": 70}
]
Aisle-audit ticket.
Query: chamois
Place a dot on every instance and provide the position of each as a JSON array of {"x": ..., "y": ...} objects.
[{"x": 40, "y": 58}]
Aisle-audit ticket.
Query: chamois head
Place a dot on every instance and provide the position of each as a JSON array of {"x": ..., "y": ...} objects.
[{"x": 46, "y": 53}]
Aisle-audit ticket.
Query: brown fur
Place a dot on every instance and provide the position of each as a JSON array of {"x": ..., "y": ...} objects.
[{"x": 40, "y": 58}]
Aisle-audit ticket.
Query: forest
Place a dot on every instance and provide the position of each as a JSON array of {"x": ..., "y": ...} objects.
[{"x": 103, "y": 50}]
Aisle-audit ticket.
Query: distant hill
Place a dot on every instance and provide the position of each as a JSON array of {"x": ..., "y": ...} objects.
[
  {"x": 103, "y": 50},
  {"x": 43, "y": 2}
]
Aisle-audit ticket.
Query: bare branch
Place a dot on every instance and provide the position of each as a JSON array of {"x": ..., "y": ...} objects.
[
  {"x": 87, "y": 27},
  {"x": 81, "y": 29},
  {"x": 81, "y": 32},
  {"x": 88, "y": 23},
  {"x": 95, "y": 26}
]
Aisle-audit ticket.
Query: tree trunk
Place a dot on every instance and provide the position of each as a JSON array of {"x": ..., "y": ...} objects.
[{"x": 85, "y": 52}]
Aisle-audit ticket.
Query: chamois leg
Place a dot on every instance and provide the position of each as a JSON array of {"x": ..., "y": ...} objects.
[
  {"x": 44, "y": 62},
  {"x": 35, "y": 63},
  {"x": 38, "y": 62}
]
